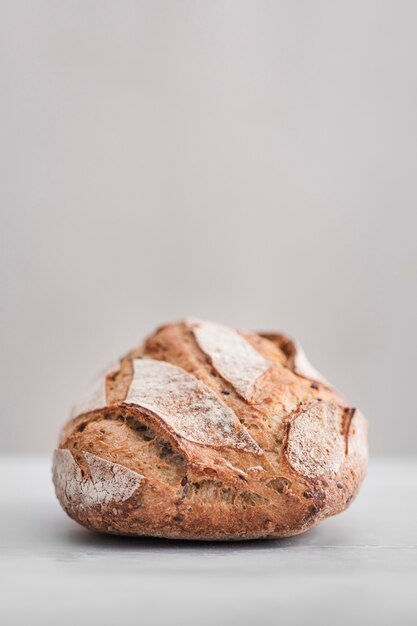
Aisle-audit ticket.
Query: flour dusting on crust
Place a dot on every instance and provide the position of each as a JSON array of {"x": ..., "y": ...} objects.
[
  {"x": 187, "y": 405},
  {"x": 357, "y": 437},
  {"x": 303, "y": 367},
  {"x": 232, "y": 355},
  {"x": 95, "y": 397},
  {"x": 315, "y": 445},
  {"x": 109, "y": 483}
]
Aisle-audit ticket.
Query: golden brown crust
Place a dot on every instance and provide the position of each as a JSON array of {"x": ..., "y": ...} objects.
[{"x": 206, "y": 433}]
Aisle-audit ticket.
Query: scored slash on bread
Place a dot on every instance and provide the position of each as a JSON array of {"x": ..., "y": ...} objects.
[
  {"x": 297, "y": 359},
  {"x": 207, "y": 433},
  {"x": 314, "y": 444},
  {"x": 187, "y": 406},
  {"x": 95, "y": 397},
  {"x": 231, "y": 354},
  {"x": 108, "y": 483}
]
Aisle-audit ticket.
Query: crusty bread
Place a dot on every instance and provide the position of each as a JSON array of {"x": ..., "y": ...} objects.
[{"x": 204, "y": 432}]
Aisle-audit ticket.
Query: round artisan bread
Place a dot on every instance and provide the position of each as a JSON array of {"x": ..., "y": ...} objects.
[{"x": 204, "y": 432}]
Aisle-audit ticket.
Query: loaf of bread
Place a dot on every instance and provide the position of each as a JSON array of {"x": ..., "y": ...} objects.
[{"x": 204, "y": 432}]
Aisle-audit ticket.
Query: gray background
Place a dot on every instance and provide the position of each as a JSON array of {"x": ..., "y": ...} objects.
[{"x": 249, "y": 162}]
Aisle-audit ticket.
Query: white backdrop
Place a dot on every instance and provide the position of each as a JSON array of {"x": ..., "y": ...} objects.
[{"x": 250, "y": 162}]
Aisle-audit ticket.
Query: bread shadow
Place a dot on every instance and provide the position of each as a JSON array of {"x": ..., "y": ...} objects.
[{"x": 84, "y": 539}]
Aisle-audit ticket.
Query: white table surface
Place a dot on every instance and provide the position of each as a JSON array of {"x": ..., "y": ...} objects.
[{"x": 357, "y": 568}]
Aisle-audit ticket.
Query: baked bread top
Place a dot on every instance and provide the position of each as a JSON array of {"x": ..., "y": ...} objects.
[{"x": 204, "y": 432}]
